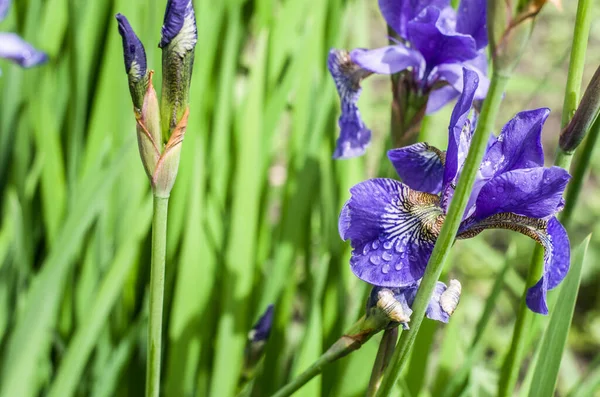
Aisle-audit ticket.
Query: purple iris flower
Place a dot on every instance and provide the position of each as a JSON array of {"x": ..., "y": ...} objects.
[
  {"x": 262, "y": 329},
  {"x": 393, "y": 226},
  {"x": 436, "y": 42},
  {"x": 14, "y": 48}
]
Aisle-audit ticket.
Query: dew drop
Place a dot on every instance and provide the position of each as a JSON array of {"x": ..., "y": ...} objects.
[
  {"x": 375, "y": 259},
  {"x": 398, "y": 266},
  {"x": 399, "y": 247},
  {"x": 385, "y": 269},
  {"x": 366, "y": 249},
  {"x": 387, "y": 244},
  {"x": 386, "y": 256},
  {"x": 375, "y": 244}
]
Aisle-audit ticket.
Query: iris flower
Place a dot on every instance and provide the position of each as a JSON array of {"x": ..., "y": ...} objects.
[
  {"x": 392, "y": 226},
  {"x": 14, "y": 48},
  {"x": 436, "y": 42}
]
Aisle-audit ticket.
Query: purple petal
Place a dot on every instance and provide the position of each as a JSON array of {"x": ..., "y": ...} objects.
[
  {"x": 453, "y": 74},
  {"x": 261, "y": 330},
  {"x": 179, "y": 18},
  {"x": 354, "y": 135},
  {"x": 440, "y": 97},
  {"x": 533, "y": 192},
  {"x": 4, "y": 7},
  {"x": 518, "y": 146},
  {"x": 471, "y": 20},
  {"x": 557, "y": 259},
  {"x": 388, "y": 60},
  {"x": 392, "y": 230},
  {"x": 133, "y": 50},
  {"x": 16, "y": 49},
  {"x": 459, "y": 138},
  {"x": 406, "y": 296},
  {"x": 432, "y": 33},
  {"x": 397, "y": 13},
  {"x": 420, "y": 166}
]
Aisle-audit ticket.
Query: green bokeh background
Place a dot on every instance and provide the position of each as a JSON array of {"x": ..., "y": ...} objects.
[{"x": 253, "y": 215}]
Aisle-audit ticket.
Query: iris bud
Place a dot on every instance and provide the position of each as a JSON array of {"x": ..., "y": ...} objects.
[
  {"x": 148, "y": 130},
  {"x": 587, "y": 111},
  {"x": 179, "y": 37},
  {"x": 135, "y": 62},
  {"x": 257, "y": 339}
]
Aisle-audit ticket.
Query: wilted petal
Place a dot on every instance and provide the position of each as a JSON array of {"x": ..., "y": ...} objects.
[
  {"x": 433, "y": 35},
  {"x": 420, "y": 166},
  {"x": 388, "y": 60},
  {"x": 4, "y": 6},
  {"x": 549, "y": 233},
  {"x": 397, "y": 13},
  {"x": 519, "y": 145},
  {"x": 354, "y": 135},
  {"x": 557, "y": 260},
  {"x": 460, "y": 133},
  {"x": 533, "y": 192},
  {"x": 471, "y": 20},
  {"x": 133, "y": 50},
  {"x": 406, "y": 296},
  {"x": 14, "y": 48},
  {"x": 392, "y": 230}
]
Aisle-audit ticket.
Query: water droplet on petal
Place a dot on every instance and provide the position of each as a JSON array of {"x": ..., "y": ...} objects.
[
  {"x": 387, "y": 244},
  {"x": 375, "y": 244},
  {"x": 399, "y": 247},
  {"x": 375, "y": 259},
  {"x": 386, "y": 256},
  {"x": 398, "y": 266},
  {"x": 366, "y": 249},
  {"x": 385, "y": 269}
]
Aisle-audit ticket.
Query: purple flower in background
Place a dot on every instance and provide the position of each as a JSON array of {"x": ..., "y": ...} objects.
[
  {"x": 261, "y": 330},
  {"x": 436, "y": 42},
  {"x": 14, "y": 48},
  {"x": 393, "y": 226}
]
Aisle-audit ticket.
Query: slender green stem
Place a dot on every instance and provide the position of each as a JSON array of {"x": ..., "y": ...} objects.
[
  {"x": 512, "y": 363},
  {"x": 580, "y": 173},
  {"x": 447, "y": 235},
  {"x": 157, "y": 289},
  {"x": 384, "y": 354}
]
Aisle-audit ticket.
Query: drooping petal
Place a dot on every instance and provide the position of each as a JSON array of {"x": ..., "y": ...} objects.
[
  {"x": 133, "y": 50},
  {"x": 354, "y": 135},
  {"x": 519, "y": 144},
  {"x": 420, "y": 166},
  {"x": 471, "y": 20},
  {"x": 14, "y": 48},
  {"x": 388, "y": 60},
  {"x": 533, "y": 192},
  {"x": 549, "y": 233},
  {"x": 432, "y": 33},
  {"x": 460, "y": 133},
  {"x": 557, "y": 260},
  {"x": 4, "y": 7},
  {"x": 397, "y": 13},
  {"x": 392, "y": 230}
]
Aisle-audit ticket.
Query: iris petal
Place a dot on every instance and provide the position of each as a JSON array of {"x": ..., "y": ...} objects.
[
  {"x": 549, "y": 233},
  {"x": 388, "y": 60},
  {"x": 471, "y": 20},
  {"x": 133, "y": 50},
  {"x": 392, "y": 230},
  {"x": 4, "y": 6},
  {"x": 354, "y": 134},
  {"x": 440, "y": 97},
  {"x": 397, "y": 13},
  {"x": 432, "y": 34},
  {"x": 533, "y": 192},
  {"x": 16, "y": 49},
  {"x": 420, "y": 166},
  {"x": 459, "y": 138}
]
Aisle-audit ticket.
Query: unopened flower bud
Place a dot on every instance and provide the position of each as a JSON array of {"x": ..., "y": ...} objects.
[
  {"x": 148, "y": 130},
  {"x": 167, "y": 166},
  {"x": 135, "y": 61},
  {"x": 179, "y": 36},
  {"x": 257, "y": 339},
  {"x": 587, "y": 111}
]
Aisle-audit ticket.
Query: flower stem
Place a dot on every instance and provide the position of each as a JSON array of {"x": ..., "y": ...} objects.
[
  {"x": 157, "y": 289},
  {"x": 512, "y": 363},
  {"x": 384, "y": 354},
  {"x": 447, "y": 235}
]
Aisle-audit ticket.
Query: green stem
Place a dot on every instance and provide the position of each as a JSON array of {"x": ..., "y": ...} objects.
[
  {"x": 512, "y": 363},
  {"x": 384, "y": 354},
  {"x": 447, "y": 235},
  {"x": 580, "y": 173},
  {"x": 157, "y": 289}
]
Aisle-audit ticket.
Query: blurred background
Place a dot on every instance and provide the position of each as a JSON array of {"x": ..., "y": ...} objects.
[{"x": 253, "y": 215}]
